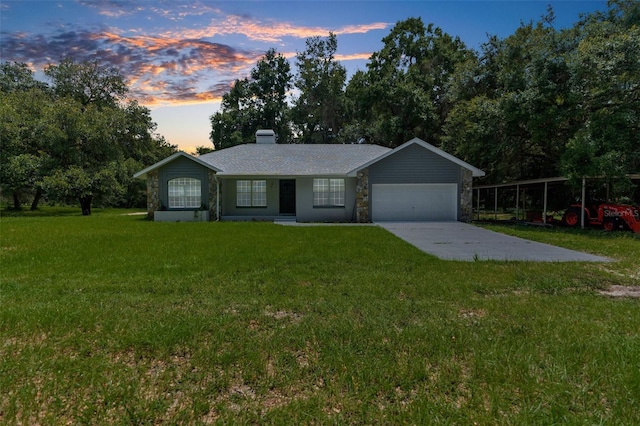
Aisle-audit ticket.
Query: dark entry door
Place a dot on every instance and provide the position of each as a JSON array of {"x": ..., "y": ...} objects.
[{"x": 288, "y": 196}]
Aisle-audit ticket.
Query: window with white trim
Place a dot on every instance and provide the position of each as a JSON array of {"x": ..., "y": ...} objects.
[
  {"x": 328, "y": 192},
  {"x": 251, "y": 193},
  {"x": 184, "y": 193}
]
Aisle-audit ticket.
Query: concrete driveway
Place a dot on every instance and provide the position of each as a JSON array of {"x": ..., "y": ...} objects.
[{"x": 462, "y": 241}]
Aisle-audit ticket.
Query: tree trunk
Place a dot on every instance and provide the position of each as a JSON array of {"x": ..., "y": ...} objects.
[
  {"x": 36, "y": 199},
  {"x": 85, "y": 204},
  {"x": 16, "y": 200}
]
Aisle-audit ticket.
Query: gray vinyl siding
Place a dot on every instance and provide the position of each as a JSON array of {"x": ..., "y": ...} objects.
[
  {"x": 306, "y": 212},
  {"x": 182, "y": 168},
  {"x": 415, "y": 164},
  {"x": 229, "y": 199}
]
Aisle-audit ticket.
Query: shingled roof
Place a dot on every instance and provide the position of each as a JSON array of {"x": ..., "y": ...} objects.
[
  {"x": 291, "y": 159},
  {"x": 271, "y": 159}
]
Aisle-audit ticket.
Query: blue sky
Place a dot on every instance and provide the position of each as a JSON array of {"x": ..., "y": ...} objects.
[{"x": 180, "y": 56}]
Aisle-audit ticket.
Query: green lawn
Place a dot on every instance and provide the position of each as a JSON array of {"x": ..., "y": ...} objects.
[{"x": 111, "y": 319}]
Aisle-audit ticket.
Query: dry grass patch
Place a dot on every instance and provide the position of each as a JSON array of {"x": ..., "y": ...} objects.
[{"x": 621, "y": 291}]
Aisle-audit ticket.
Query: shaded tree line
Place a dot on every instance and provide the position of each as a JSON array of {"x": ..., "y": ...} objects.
[
  {"x": 541, "y": 102},
  {"x": 74, "y": 139}
]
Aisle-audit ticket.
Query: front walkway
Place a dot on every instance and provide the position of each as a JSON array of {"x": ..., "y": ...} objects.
[{"x": 462, "y": 241}]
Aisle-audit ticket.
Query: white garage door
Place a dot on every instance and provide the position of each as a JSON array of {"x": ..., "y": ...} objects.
[{"x": 432, "y": 201}]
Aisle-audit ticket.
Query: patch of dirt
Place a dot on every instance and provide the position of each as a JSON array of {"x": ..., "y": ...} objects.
[
  {"x": 621, "y": 291},
  {"x": 626, "y": 274},
  {"x": 471, "y": 313},
  {"x": 288, "y": 316}
]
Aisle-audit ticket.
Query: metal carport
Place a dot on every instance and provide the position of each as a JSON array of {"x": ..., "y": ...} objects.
[{"x": 533, "y": 182}]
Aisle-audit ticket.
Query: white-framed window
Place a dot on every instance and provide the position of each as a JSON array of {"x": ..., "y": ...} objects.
[
  {"x": 328, "y": 192},
  {"x": 251, "y": 193},
  {"x": 184, "y": 193}
]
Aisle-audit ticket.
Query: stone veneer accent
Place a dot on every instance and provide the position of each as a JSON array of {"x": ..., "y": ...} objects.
[
  {"x": 362, "y": 196},
  {"x": 213, "y": 196},
  {"x": 466, "y": 196},
  {"x": 153, "y": 193}
]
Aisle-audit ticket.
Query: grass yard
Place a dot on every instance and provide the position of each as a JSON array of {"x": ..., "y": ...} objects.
[{"x": 111, "y": 319}]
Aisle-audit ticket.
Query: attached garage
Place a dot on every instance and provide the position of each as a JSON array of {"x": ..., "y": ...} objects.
[
  {"x": 414, "y": 202},
  {"x": 418, "y": 182}
]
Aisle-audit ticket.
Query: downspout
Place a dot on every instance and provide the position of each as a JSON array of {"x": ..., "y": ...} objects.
[{"x": 354, "y": 213}]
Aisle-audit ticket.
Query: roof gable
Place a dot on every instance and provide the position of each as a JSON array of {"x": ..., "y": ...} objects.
[
  {"x": 417, "y": 141},
  {"x": 142, "y": 174}
]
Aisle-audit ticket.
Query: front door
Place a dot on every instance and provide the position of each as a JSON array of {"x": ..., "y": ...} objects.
[{"x": 288, "y": 196}]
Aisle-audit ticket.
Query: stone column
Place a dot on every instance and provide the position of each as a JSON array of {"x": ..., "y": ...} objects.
[
  {"x": 213, "y": 196},
  {"x": 362, "y": 196},
  {"x": 466, "y": 196},
  {"x": 153, "y": 193}
]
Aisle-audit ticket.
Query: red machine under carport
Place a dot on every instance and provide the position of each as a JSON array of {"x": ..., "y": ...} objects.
[
  {"x": 604, "y": 215},
  {"x": 608, "y": 216}
]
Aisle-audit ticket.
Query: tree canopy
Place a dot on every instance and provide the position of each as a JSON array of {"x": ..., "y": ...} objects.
[
  {"x": 76, "y": 139},
  {"x": 542, "y": 102},
  {"x": 318, "y": 112},
  {"x": 545, "y": 102},
  {"x": 255, "y": 103}
]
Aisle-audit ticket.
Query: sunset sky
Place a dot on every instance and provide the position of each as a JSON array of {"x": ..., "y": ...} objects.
[{"x": 179, "y": 58}]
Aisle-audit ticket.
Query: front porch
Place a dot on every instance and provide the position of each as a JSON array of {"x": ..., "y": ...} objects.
[
  {"x": 255, "y": 218},
  {"x": 181, "y": 216}
]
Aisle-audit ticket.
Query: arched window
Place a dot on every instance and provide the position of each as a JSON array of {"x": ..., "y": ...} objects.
[{"x": 184, "y": 193}]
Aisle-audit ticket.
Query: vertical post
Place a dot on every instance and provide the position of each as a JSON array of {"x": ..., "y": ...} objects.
[
  {"x": 517, "y": 202},
  {"x": 478, "y": 202},
  {"x": 584, "y": 190},
  {"x": 544, "y": 207},
  {"x": 495, "y": 203},
  {"x": 217, "y": 199}
]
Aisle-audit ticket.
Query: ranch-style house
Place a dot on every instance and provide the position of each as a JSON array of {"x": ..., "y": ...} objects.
[{"x": 267, "y": 181}]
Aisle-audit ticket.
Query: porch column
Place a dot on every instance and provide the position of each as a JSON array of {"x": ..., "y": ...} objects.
[
  {"x": 362, "y": 196},
  {"x": 153, "y": 194},
  {"x": 213, "y": 196}
]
